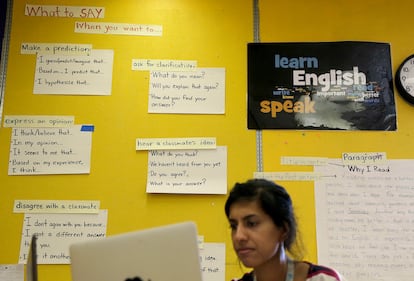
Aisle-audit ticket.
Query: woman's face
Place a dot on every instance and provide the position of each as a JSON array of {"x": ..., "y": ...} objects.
[{"x": 256, "y": 239}]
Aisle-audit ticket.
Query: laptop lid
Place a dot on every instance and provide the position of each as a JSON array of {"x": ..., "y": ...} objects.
[
  {"x": 162, "y": 253},
  {"x": 31, "y": 265}
]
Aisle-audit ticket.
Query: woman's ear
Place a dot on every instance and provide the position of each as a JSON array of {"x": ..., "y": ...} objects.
[{"x": 285, "y": 230}]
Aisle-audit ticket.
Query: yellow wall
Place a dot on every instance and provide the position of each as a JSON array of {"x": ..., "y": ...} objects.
[
  {"x": 215, "y": 33},
  {"x": 324, "y": 20}
]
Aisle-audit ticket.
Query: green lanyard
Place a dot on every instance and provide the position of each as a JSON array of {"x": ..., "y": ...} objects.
[{"x": 290, "y": 270}]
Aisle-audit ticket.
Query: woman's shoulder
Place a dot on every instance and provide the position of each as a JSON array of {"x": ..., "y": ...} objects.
[
  {"x": 322, "y": 273},
  {"x": 246, "y": 277},
  {"x": 314, "y": 273}
]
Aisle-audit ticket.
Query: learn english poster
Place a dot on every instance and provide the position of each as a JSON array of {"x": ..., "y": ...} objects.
[{"x": 321, "y": 86}]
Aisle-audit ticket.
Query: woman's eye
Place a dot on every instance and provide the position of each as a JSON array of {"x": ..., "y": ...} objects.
[{"x": 252, "y": 223}]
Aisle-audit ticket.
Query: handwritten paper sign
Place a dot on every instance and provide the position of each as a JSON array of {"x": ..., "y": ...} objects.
[
  {"x": 188, "y": 171},
  {"x": 36, "y": 151},
  {"x": 56, "y": 206},
  {"x": 201, "y": 91},
  {"x": 64, "y": 11},
  {"x": 38, "y": 121},
  {"x": 164, "y": 65},
  {"x": 55, "y": 232},
  {"x": 364, "y": 216},
  {"x": 74, "y": 75},
  {"x": 212, "y": 261},
  {"x": 118, "y": 28},
  {"x": 175, "y": 143},
  {"x": 11, "y": 272},
  {"x": 364, "y": 158},
  {"x": 287, "y": 176},
  {"x": 56, "y": 48},
  {"x": 303, "y": 161}
]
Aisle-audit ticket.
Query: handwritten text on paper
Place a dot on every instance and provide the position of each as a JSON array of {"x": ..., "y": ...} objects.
[
  {"x": 36, "y": 151},
  {"x": 56, "y": 48},
  {"x": 213, "y": 261},
  {"x": 56, "y": 206},
  {"x": 175, "y": 143},
  {"x": 37, "y": 121},
  {"x": 201, "y": 171},
  {"x": 200, "y": 91},
  {"x": 55, "y": 232},
  {"x": 118, "y": 28},
  {"x": 365, "y": 219},
  {"x": 64, "y": 11},
  {"x": 74, "y": 75},
  {"x": 163, "y": 65}
]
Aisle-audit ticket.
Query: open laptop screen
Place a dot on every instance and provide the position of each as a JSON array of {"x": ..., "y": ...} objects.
[{"x": 163, "y": 253}]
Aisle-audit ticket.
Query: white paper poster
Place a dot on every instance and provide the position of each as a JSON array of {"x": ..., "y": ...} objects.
[
  {"x": 195, "y": 171},
  {"x": 55, "y": 232},
  {"x": 365, "y": 221},
  {"x": 74, "y": 75},
  {"x": 39, "y": 151},
  {"x": 201, "y": 91},
  {"x": 213, "y": 261}
]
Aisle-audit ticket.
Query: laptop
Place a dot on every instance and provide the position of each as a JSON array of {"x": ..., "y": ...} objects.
[
  {"x": 163, "y": 253},
  {"x": 31, "y": 265}
]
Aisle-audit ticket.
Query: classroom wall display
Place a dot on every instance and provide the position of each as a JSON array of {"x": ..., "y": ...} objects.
[
  {"x": 83, "y": 83},
  {"x": 136, "y": 97},
  {"x": 321, "y": 86}
]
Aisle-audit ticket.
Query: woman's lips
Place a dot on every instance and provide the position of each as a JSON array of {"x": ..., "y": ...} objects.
[{"x": 244, "y": 251}]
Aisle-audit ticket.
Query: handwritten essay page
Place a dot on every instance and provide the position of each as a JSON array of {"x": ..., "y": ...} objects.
[
  {"x": 74, "y": 74},
  {"x": 192, "y": 171},
  {"x": 365, "y": 222},
  {"x": 201, "y": 91},
  {"x": 56, "y": 232},
  {"x": 37, "y": 151}
]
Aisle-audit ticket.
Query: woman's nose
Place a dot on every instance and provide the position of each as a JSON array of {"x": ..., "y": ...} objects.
[{"x": 239, "y": 233}]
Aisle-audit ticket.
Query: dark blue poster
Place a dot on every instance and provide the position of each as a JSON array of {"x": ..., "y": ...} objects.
[{"x": 320, "y": 86}]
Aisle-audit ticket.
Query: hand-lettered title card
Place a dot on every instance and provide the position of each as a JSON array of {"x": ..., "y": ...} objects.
[
  {"x": 196, "y": 92},
  {"x": 85, "y": 12},
  {"x": 192, "y": 171},
  {"x": 74, "y": 74},
  {"x": 37, "y": 151}
]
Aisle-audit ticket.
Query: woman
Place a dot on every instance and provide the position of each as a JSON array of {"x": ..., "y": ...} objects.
[{"x": 263, "y": 230}]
